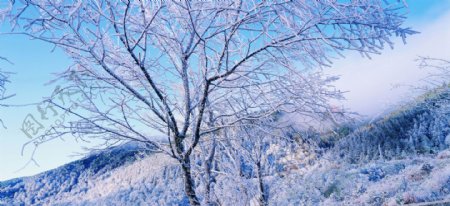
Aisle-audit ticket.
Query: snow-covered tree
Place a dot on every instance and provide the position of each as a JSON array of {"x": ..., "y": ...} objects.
[
  {"x": 253, "y": 157},
  {"x": 188, "y": 69},
  {"x": 3, "y": 81},
  {"x": 438, "y": 72},
  {"x": 3, "y": 94}
]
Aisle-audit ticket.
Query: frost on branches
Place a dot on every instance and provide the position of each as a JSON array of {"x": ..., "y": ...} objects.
[{"x": 188, "y": 70}]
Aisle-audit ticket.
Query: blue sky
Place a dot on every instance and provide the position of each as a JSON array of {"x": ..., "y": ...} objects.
[{"x": 369, "y": 83}]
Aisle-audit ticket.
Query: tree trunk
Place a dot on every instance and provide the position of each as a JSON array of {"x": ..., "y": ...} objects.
[
  {"x": 208, "y": 183},
  {"x": 189, "y": 184},
  {"x": 263, "y": 200},
  {"x": 208, "y": 176}
]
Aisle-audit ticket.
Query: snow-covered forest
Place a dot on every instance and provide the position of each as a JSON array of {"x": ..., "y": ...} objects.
[{"x": 225, "y": 103}]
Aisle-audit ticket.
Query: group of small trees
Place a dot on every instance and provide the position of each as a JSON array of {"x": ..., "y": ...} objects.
[
  {"x": 438, "y": 72},
  {"x": 191, "y": 71}
]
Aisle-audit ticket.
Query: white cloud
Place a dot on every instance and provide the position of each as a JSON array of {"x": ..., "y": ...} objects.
[{"x": 371, "y": 82}]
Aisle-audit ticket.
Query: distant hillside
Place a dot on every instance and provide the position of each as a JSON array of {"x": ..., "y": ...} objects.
[
  {"x": 419, "y": 128},
  {"x": 114, "y": 177},
  {"x": 399, "y": 159}
]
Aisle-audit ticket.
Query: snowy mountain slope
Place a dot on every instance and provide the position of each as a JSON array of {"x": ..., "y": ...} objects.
[
  {"x": 402, "y": 158},
  {"x": 119, "y": 175},
  {"x": 421, "y": 127},
  {"x": 394, "y": 182}
]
